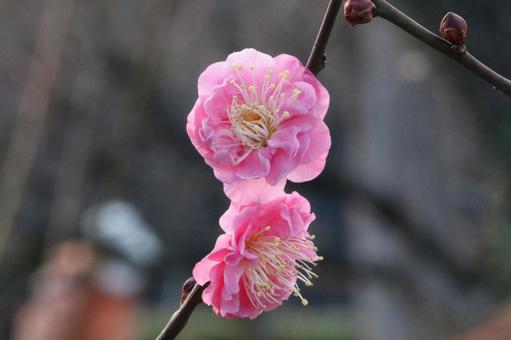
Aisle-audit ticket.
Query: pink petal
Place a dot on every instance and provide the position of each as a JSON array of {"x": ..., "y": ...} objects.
[
  {"x": 193, "y": 124},
  {"x": 282, "y": 165},
  {"x": 309, "y": 171},
  {"x": 291, "y": 64},
  {"x": 293, "y": 219},
  {"x": 220, "y": 98},
  {"x": 286, "y": 140},
  {"x": 229, "y": 306},
  {"x": 232, "y": 275},
  {"x": 212, "y": 294},
  {"x": 255, "y": 165},
  {"x": 305, "y": 100},
  {"x": 201, "y": 271},
  {"x": 251, "y": 57},
  {"x": 246, "y": 308},
  {"x": 313, "y": 161},
  {"x": 252, "y": 191},
  {"x": 224, "y": 175},
  {"x": 228, "y": 218},
  {"x": 213, "y": 76},
  {"x": 321, "y": 106}
]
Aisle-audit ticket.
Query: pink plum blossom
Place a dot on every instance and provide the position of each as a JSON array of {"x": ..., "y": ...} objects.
[
  {"x": 260, "y": 117},
  {"x": 258, "y": 262}
]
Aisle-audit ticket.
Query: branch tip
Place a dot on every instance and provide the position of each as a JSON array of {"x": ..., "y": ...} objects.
[{"x": 459, "y": 53}]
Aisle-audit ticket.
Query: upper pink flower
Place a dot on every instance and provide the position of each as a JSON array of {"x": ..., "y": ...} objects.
[
  {"x": 260, "y": 117},
  {"x": 257, "y": 263}
]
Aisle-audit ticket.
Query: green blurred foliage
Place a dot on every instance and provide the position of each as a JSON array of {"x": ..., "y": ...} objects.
[{"x": 286, "y": 323}]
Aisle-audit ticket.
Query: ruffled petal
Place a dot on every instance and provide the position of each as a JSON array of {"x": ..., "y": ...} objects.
[
  {"x": 314, "y": 159},
  {"x": 321, "y": 106},
  {"x": 214, "y": 75},
  {"x": 201, "y": 271},
  {"x": 304, "y": 102},
  {"x": 286, "y": 62},
  {"x": 254, "y": 166},
  {"x": 253, "y": 191}
]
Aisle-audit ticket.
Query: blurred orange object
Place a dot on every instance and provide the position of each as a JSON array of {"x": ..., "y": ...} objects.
[
  {"x": 68, "y": 303},
  {"x": 497, "y": 327},
  {"x": 109, "y": 317}
]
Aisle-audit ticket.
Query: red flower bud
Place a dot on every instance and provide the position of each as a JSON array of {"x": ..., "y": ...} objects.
[
  {"x": 453, "y": 28},
  {"x": 187, "y": 288},
  {"x": 358, "y": 11}
]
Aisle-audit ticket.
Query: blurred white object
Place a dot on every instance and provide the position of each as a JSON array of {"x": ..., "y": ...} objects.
[
  {"x": 119, "y": 278},
  {"x": 119, "y": 226}
]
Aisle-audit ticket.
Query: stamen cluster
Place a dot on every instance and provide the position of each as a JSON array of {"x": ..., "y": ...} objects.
[{"x": 285, "y": 261}]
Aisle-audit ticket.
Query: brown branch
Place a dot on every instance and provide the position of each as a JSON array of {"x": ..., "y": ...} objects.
[
  {"x": 178, "y": 320},
  {"x": 387, "y": 11},
  {"x": 317, "y": 58}
]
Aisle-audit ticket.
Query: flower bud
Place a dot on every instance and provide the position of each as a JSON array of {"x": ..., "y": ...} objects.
[
  {"x": 453, "y": 28},
  {"x": 187, "y": 288},
  {"x": 358, "y": 11}
]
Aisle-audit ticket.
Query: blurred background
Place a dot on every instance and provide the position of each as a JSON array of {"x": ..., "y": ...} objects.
[{"x": 105, "y": 206}]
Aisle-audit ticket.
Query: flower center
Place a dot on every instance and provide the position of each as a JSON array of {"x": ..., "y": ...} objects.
[
  {"x": 253, "y": 125},
  {"x": 256, "y": 113},
  {"x": 281, "y": 264}
]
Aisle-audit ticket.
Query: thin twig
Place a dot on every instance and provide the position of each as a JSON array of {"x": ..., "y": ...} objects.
[
  {"x": 317, "y": 58},
  {"x": 178, "y": 320},
  {"x": 392, "y": 14}
]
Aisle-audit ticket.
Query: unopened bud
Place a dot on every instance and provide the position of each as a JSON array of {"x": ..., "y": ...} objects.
[
  {"x": 453, "y": 28},
  {"x": 358, "y": 11},
  {"x": 187, "y": 288}
]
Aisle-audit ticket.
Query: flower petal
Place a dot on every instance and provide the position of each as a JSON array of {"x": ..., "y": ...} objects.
[
  {"x": 255, "y": 165},
  {"x": 213, "y": 76},
  {"x": 314, "y": 159},
  {"x": 253, "y": 191}
]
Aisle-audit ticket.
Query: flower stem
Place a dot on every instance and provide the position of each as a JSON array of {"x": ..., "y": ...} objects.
[
  {"x": 317, "y": 58},
  {"x": 387, "y": 11},
  {"x": 178, "y": 320}
]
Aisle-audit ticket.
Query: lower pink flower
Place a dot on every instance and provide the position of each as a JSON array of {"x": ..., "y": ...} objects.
[{"x": 258, "y": 262}]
